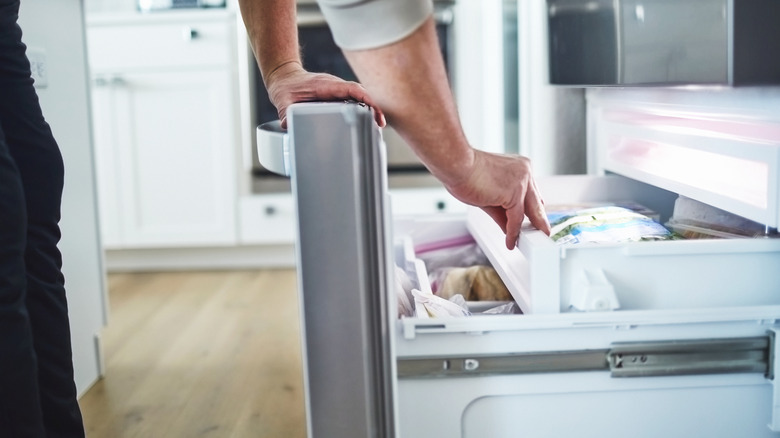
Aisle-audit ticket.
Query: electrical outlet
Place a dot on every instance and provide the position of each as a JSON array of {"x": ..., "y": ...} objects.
[{"x": 38, "y": 66}]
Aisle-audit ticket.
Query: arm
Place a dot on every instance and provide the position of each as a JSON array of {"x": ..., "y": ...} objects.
[
  {"x": 273, "y": 33},
  {"x": 408, "y": 80}
]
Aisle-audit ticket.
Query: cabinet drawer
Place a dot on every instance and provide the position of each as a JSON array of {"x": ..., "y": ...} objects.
[
  {"x": 267, "y": 219},
  {"x": 159, "y": 45}
]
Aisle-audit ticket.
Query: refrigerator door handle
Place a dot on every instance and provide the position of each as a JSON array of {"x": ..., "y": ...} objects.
[{"x": 273, "y": 150}]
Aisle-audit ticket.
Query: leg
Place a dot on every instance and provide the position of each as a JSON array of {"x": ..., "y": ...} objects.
[
  {"x": 20, "y": 411},
  {"x": 38, "y": 159}
]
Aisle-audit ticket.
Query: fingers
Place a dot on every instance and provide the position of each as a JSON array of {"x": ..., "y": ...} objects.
[
  {"x": 534, "y": 209},
  {"x": 514, "y": 220},
  {"x": 498, "y": 214},
  {"x": 283, "y": 117},
  {"x": 342, "y": 90},
  {"x": 309, "y": 87},
  {"x": 501, "y": 217}
]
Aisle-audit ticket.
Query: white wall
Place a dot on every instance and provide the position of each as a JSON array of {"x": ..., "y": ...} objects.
[{"x": 55, "y": 29}]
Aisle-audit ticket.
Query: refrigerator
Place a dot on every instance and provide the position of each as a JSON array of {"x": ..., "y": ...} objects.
[{"x": 646, "y": 339}]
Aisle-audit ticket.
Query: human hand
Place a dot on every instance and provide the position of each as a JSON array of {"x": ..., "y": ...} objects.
[
  {"x": 502, "y": 186},
  {"x": 290, "y": 83}
]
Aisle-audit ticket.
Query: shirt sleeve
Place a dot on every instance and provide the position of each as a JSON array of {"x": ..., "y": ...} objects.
[{"x": 367, "y": 24}]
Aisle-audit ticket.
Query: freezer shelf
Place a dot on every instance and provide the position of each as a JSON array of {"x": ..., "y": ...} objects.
[{"x": 545, "y": 277}]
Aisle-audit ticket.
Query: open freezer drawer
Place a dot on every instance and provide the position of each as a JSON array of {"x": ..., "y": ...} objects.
[
  {"x": 546, "y": 277},
  {"x": 701, "y": 370},
  {"x": 545, "y": 375}
]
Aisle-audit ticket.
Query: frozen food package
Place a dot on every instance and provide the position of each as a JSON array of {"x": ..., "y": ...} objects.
[
  {"x": 604, "y": 224},
  {"x": 459, "y": 253},
  {"x": 463, "y": 269},
  {"x": 475, "y": 283},
  {"x": 437, "y": 307},
  {"x": 696, "y": 220},
  {"x": 510, "y": 308},
  {"x": 403, "y": 291}
]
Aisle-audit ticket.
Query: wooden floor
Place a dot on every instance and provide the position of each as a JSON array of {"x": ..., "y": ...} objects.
[{"x": 200, "y": 354}]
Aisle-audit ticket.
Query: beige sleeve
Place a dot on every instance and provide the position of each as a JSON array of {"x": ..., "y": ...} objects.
[{"x": 367, "y": 24}]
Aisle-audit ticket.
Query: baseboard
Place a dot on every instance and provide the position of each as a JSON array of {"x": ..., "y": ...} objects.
[{"x": 213, "y": 258}]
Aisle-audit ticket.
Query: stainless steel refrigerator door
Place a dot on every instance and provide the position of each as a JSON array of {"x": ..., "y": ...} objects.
[{"x": 337, "y": 167}]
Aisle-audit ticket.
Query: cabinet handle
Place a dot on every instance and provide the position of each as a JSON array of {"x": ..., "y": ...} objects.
[
  {"x": 118, "y": 81},
  {"x": 270, "y": 210},
  {"x": 114, "y": 81},
  {"x": 189, "y": 34}
]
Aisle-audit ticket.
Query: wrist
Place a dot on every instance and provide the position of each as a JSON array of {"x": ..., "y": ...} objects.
[
  {"x": 457, "y": 167},
  {"x": 282, "y": 69}
]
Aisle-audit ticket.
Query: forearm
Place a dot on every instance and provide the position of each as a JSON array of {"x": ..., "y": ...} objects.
[
  {"x": 408, "y": 80},
  {"x": 272, "y": 30}
]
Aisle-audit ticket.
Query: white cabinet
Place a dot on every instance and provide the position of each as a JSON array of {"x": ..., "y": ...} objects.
[{"x": 164, "y": 123}]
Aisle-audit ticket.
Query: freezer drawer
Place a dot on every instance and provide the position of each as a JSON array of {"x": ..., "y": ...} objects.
[
  {"x": 650, "y": 371},
  {"x": 555, "y": 375},
  {"x": 720, "y": 148},
  {"x": 646, "y": 369},
  {"x": 546, "y": 277}
]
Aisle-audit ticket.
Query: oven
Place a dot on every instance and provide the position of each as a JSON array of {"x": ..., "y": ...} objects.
[{"x": 321, "y": 54}]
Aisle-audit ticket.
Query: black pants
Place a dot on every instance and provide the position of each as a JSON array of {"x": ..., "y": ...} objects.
[{"x": 37, "y": 393}]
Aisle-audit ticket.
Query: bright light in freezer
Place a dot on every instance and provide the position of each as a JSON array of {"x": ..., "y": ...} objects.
[{"x": 740, "y": 179}]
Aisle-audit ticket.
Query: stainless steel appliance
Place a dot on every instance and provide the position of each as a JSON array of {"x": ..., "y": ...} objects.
[
  {"x": 162, "y": 5},
  {"x": 321, "y": 54},
  {"x": 664, "y": 42},
  {"x": 691, "y": 352}
]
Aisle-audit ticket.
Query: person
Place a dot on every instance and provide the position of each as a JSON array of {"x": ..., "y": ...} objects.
[
  {"x": 392, "y": 47},
  {"x": 37, "y": 390}
]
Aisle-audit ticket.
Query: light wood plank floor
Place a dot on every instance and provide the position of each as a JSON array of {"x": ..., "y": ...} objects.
[{"x": 200, "y": 354}]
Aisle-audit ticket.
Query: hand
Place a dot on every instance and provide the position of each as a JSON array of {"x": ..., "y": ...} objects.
[
  {"x": 290, "y": 83},
  {"x": 503, "y": 187}
]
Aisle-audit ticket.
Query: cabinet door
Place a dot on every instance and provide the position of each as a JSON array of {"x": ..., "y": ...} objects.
[
  {"x": 106, "y": 162},
  {"x": 174, "y": 135}
]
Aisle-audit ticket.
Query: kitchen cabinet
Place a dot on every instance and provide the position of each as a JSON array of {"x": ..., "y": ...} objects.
[{"x": 165, "y": 129}]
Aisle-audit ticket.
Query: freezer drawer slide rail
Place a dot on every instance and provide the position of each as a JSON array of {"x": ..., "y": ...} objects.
[
  {"x": 635, "y": 359},
  {"x": 677, "y": 358}
]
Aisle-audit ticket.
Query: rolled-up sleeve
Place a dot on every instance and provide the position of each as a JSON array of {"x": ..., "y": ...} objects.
[{"x": 367, "y": 24}]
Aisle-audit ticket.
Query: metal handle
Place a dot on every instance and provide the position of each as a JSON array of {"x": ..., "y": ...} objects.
[
  {"x": 118, "y": 81},
  {"x": 113, "y": 81},
  {"x": 273, "y": 151},
  {"x": 188, "y": 33}
]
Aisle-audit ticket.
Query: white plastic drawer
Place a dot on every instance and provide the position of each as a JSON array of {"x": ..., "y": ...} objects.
[
  {"x": 545, "y": 277},
  {"x": 721, "y": 148},
  {"x": 706, "y": 290},
  {"x": 141, "y": 45}
]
